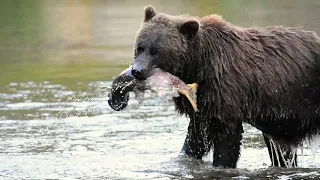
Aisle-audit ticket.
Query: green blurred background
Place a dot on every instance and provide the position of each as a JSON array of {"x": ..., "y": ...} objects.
[{"x": 69, "y": 41}]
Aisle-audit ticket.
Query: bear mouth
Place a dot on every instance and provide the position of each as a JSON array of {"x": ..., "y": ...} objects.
[{"x": 158, "y": 81}]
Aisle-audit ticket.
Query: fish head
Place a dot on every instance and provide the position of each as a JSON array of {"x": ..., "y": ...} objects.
[{"x": 123, "y": 84}]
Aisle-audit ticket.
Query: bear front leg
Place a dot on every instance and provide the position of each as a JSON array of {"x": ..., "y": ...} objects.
[
  {"x": 227, "y": 142},
  {"x": 280, "y": 155},
  {"x": 196, "y": 144}
]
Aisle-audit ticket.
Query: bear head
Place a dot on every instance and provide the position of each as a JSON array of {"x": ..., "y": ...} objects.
[{"x": 164, "y": 42}]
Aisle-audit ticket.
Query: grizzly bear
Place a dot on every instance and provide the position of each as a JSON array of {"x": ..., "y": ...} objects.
[{"x": 268, "y": 77}]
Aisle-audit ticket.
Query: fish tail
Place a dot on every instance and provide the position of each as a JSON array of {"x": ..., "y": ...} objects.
[
  {"x": 191, "y": 95},
  {"x": 193, "y": 87}
]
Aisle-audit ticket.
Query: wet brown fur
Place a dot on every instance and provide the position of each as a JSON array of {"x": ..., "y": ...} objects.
[{"x": 268, "y": 77}]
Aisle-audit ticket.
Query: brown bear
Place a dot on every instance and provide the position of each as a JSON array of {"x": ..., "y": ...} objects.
[{"x": 268, "y": 77}]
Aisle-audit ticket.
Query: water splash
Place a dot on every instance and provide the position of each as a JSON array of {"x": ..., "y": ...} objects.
[
  {"x": 280, "y": 154},
  {"x": 302, "y": 156},
  {"x": 313, "y": 144}
]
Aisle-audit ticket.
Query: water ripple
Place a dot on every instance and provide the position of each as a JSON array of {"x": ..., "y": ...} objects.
[{"x": 81, "y": 137}]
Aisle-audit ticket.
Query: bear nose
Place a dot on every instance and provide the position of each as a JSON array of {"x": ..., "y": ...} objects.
[{"x": 137, "y": 73}]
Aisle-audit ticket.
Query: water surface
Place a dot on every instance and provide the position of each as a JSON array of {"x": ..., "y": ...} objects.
[{"x": 55, "y": 122}]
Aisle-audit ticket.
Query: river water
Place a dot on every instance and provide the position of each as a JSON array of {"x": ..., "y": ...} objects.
[{"x": 57, "y": 57}]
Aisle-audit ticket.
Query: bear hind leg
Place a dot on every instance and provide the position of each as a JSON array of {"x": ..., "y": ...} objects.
[{"x": 281, "y": 155}]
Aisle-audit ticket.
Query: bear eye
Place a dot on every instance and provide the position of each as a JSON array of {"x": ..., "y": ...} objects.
[
  {"x": 140, "y": 50},
  {"x": 153, "y": 51}
]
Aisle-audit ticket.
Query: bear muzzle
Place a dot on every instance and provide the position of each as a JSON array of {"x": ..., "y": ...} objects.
[{"x": 141, "y": 70}]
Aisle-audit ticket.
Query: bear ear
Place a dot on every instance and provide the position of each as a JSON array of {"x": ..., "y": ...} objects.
[
  {"x": 149, "y": 12},
  {"x": 189, "y": 28}
]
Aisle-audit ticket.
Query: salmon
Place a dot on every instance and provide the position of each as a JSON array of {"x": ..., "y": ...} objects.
[{"x": 164, "y": 79}]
